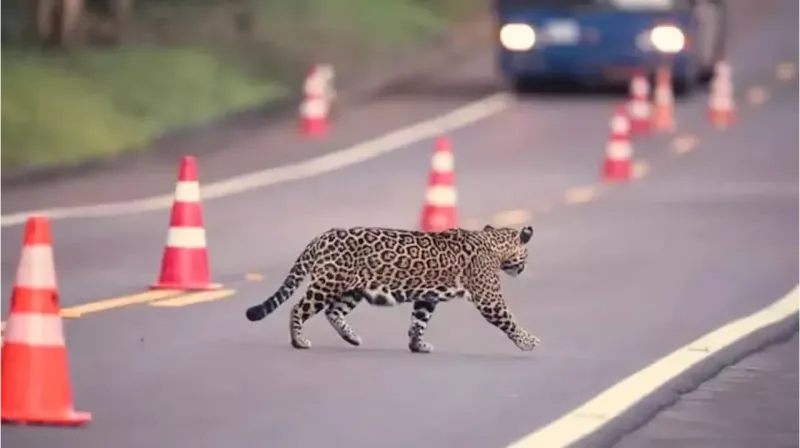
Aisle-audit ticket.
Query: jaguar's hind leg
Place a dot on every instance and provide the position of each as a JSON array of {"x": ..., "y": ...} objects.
[
  {"x": 336, "y": 312},
  {"x": 310, "y": 305},
  {"x": 423, "y": 311}
]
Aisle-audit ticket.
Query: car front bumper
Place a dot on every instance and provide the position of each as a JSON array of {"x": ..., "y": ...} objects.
[{"x": 585, "y": 65}]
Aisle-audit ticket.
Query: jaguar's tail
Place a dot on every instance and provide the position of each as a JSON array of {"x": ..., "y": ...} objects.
[{"x": 300, "y": 269}]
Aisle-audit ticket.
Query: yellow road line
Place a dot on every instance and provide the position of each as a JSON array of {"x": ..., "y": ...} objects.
[
  {"x": 103, "y": 305},
  {"x": 785, "y": 71},
  {"x": 580, "y": 195},
  {"x": 756, "y": 95},
  {"x": 511, "y": 217},
  {"x": 683, "y": 144},
  {"x": 615, "y": 400},
  {"x": 640, "y": 169},
  {"x": 194, "y": 298},
  {"x": 253, "y": 277}
]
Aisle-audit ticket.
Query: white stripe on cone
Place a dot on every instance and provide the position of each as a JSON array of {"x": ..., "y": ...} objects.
[
  {"x": 443, "y": 162},
  {"x": 640, "y": 87},
  {"x": 620, "y": 125},
  {"x": 639, "y": 109},
  {"x": 619, "y": 151},
  {"x": 315, "y": 85},
  {"x": 663, "y": 95},
  {"x": 187, "y": 191},
  {"x": 441, "y": 196},
  {"x": 314, "y": 108},
  {"x": 36, "y": 268},
  {"x": 39, "y": 330},
  {"x": 186, "y": 237}
]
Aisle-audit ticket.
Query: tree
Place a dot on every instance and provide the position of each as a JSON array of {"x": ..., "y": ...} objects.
[{"x": 58, "y": 21}]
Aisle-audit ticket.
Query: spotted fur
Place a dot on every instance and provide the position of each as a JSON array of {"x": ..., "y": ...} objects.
[{"x": 386, "y": 267}]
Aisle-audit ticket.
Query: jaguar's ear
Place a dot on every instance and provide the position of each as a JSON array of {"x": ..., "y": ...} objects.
[
  {"x": 487, "y": 227},
  {"x": 525, "y": 234}
]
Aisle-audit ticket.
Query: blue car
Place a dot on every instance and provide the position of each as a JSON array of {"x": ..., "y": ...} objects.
[{"x": 608, "y": 40}]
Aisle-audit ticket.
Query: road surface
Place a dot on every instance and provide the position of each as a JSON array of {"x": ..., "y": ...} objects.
[
  {"x": 751, "y": 403},
  {"x": 618, "y": 277}
]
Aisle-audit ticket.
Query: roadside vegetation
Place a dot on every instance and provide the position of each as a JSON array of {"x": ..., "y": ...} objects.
[{"x": 116, "y": 74}]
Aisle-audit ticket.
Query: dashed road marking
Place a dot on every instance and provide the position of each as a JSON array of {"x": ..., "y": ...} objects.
[
  {"x": 756, "y": 95},
  {"x": 511, "y": 218},
  {"x": 640, "y": 169},
  {"x": 118, "y": 302},
  {"x": 253, "y": 277},
  {"x": 194, "y": 298},
  {"x": 683, "y": 144},
  {"x": 785, "y": 71},
  {"x": 611, "y": 403},
  {"x": 580, "y": 195}
]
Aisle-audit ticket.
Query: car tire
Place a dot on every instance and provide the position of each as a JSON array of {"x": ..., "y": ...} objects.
[
  {"x": 685, "y": 85},
  {"x": 706, "y": 75},
  {"x": 520, "y": 85}
]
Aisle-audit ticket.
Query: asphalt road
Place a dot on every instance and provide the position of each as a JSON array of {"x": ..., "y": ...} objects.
[
  {"x": 706, "y": 236},
  {"x": 713, "y": 416}
]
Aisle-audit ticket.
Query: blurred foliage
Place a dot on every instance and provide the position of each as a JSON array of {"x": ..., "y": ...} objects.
[{"x": 126, "y": 79}]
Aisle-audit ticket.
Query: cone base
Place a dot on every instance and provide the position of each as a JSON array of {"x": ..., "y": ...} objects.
[
  {"x": 64, "y": 418},
  {"x": 616, "y": 171},
  {"x": 720, "y": 120},
  {"x": 640, "y": 129},
  {"x": 438, "y": 220},
  {"x": 186, "y": 286},
  {"x": 312, "y": 129}
]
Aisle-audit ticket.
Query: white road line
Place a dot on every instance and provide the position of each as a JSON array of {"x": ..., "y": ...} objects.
[
  {"x": 612, "y": 402},
  {"x": 511, "y": 218},
  {"x": 361, "y": 152}
]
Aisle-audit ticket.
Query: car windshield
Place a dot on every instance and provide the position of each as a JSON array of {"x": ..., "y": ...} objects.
[{"x": 632, "y": 5}]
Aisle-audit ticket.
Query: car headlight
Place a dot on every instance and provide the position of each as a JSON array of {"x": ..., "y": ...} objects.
[
  {"x": 667, "y": 38},
  {"x": 517, "y": 36}
]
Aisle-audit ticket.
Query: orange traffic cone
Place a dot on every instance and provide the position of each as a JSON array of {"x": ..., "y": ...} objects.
[
  {"x": 184, "y": 264},
  {"x": 639, "y": 109},
  {"x": 721, "y": 104},
  {"x": 617, "y": 163},
  {"x": 663, "y": 119},
  {"x": 314, "y": 108},
  {"x": 439, "y": 212},
  {"x": 35, "y": 370}
]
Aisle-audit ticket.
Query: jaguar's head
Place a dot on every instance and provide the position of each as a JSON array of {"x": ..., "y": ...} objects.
[{"x": 512, "y": 247}]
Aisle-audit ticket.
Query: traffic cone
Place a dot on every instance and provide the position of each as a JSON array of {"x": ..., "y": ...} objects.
[
  {"x": 663, "y": 118},
  {"x": 439, "y": 212},
  {"x": 314, "y": 107},
  {"x": 184, "y": 264},
  {"x": 617, "y": 163},
  {"x": 328, "y": 75},
  {"x": 35, "y": 368},
  {"x": 721, "y": 104},
  {"x": 639, "y": 109}
]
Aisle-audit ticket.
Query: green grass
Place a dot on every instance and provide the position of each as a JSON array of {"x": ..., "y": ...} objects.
[{"x": 66, "y": 108}]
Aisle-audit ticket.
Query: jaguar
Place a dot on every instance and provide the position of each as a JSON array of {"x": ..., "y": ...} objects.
[{"x": 386, "y": 267}]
